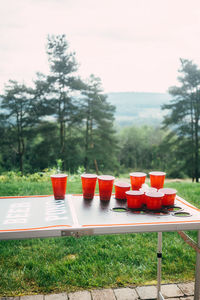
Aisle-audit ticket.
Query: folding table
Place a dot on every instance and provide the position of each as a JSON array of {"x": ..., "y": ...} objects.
[{"x": 42, "y": 216}]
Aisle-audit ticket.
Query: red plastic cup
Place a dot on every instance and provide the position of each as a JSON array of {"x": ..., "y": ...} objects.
[
  {"x": 59, "y": 184},
  {"x": 157, "y": 179},
  {"x": 154, "y": 200},
  {"x": 105, "y": 187},
  {"x": 88, "y": 185},
  {"x": 169, "y": 196},
  {"x": 149, "y": 189},
  {"x": 134, "y": 199},
  {"x": 137, "y": 180},
  {"x": 120, "y": 189}
]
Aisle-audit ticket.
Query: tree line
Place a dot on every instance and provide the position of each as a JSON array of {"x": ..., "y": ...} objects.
[
  {"x": 65, "y": 117},
  {"x": 174, "y": 147},
  {"x": 61, "y": 117}
]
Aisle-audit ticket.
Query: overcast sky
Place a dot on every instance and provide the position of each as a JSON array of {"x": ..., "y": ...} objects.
[{"x": 132, "y": 45}]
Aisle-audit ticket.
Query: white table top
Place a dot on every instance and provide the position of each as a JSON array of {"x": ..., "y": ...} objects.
[{"x": 42, "y": 216}]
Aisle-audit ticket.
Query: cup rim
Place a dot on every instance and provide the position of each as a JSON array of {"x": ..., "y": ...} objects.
[
  {"x": 134, "y": 193},
  {"x": 122, "y": 184},
  {"x": 168, "y": 191},
  {"x": 138, "y": 174},
  {"x": 106, "y": 177},
  {"x": 88, "y": 175},
  {"x": 149, "y": 189},
  {"x": 157, "y": 173},
  {"x": 59, "y": 175},
  {"x": 154, "y": 194}
]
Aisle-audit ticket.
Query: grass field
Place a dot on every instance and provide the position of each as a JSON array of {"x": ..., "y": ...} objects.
[{"x": 67, "y": 264}]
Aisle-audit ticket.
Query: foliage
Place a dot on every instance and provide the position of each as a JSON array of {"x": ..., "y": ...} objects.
[
  {"x": 46, "y": 123},
  {"x": 140, "y": 148},
  {"x": 62, "y": 83},
  {"x": 12, "y": 176},
  {"x": 98, "y": 116},
  {"x": 184, "y": 117},
  {"x": 66, "y": 122},
  {"x": 18, "y": 114}
]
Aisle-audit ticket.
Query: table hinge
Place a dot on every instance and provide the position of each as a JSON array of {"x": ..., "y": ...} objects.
[{"x": 76, "y": 233}]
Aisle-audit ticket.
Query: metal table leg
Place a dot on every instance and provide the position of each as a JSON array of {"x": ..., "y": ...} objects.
[
  {"x": 197, "y": 272},
  {"x": 159, "y": 256}
]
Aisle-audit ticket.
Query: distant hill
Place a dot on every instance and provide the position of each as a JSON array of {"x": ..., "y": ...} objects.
[{"x": 134, "y": 108}]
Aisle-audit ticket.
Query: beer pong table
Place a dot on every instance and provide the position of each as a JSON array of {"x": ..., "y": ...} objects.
[{"x": 42, "y": 216}]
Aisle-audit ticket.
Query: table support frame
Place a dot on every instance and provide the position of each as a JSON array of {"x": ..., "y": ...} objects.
[
  {"x": 197, "y": 270},
  {"x": 196, "y": 247},
  {"x": 159, "y": 266}
]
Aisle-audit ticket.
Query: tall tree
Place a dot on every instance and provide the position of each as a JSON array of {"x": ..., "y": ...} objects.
[
  {"x": 98, "y": 115},
  {"x": 62, "y": 82},
  {"x": 19, "y": 115},
  {"x": 184, "y": 114},
  {"x": 43, "y": 97}
]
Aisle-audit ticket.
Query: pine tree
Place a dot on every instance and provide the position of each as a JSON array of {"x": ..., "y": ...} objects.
[
  {"x": 18, "y": 113},
  {"x": 184, "y": 115},
  {"x": 62, "y": 83},
  {"x": 98, "y": 115}
]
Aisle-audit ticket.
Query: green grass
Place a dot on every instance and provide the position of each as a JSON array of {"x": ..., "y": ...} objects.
[
  {"x": 67, "y": 264},
  {"x": 20, "y": 188}
]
